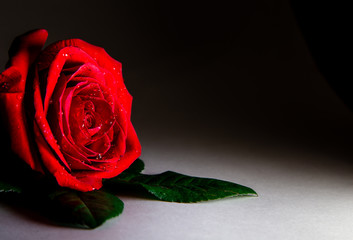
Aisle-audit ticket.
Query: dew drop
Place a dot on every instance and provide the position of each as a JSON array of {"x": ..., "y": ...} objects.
[{"x": 4, "y": 85}]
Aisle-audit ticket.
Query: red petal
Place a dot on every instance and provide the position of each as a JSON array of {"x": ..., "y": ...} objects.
[
  {"x": 100, "y": 146},
  {"x": 63, "y": 178},
  {"x": 133, "y": 151},
  {"x": 113, "y": 73},
  {"x": 68, "y": 54},
  {"x": 77, "y": 164},
  {"x": 42, "y": 122},
  {"x": 11, "y": 105},
  {"x": 118, "y": 144},
  {"x": 24, "y": 50}
]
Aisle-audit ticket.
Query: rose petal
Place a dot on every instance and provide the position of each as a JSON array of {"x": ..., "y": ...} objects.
[
  {"x": 115, "y": 83},
  {"x": 113, "y": 73},
  {"x": 91, "y": 90},
  {"x": 57, "y": 120},
  {"x": 24, "y": 50},
  {"x": 100, "y": 146},
  {"x": 77, "y": 164},
  {"x": 42, "y": 123},
  {"x": 65, "y": 55},
  {"x": 133, "y": 151},
  {"x": 16, "y": 124},
  {"x": 118, "y": 144},
  {"x": 104, "y": 115}
]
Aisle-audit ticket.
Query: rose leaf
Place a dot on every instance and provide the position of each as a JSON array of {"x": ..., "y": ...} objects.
[
  {"x": 82, "y": 209},
  {"x": 7, "y": 187},
  {"x": 175, "y": 187}
]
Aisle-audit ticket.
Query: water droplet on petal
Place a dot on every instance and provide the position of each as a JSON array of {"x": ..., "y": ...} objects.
[{"x": 4, "y": 85}]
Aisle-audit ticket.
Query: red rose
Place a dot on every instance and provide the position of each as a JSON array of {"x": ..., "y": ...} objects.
[{"x": 68, "y": 111}]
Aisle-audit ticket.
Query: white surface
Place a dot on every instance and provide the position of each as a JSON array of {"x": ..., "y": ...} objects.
[{"x": 302, "y": 195}]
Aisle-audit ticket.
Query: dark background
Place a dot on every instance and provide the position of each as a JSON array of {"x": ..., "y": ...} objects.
[{"x": 240, "y": 73}]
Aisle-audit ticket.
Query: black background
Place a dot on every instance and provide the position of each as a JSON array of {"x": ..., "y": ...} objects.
[{"x": 229, "y": 72}]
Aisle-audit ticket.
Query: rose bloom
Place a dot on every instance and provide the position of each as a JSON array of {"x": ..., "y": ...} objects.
[{"x": 67, "y": 110}]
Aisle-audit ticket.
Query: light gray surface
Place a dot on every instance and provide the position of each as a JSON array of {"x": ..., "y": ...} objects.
[{"x": 302, "y": 195}]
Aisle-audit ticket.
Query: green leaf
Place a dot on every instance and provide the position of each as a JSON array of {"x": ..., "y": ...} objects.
[
  {"x": 6, "y": 187},
  {"x": 174, "y": 187},
  {"x": 82, "y": 209}
]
